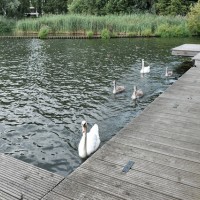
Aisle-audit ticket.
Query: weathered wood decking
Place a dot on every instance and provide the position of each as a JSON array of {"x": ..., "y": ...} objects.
[
  {"x": 19, "y": 180},
  {"x": 163, "y": 141},
  {"x": 191, "y": 50}
]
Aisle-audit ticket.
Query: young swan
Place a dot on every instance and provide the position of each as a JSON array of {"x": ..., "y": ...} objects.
[
  {"x": 168, "y": 73},
  {"x": 117, "y": 89},
  {"x": 137, "y": 93},
  {"x": 144, "y": 69},
  {"x": 90, "y": 141}
]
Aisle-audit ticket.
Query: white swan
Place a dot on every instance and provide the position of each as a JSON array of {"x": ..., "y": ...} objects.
[
  {"x": 168, "y": 73},
  {"x": 90, "y": 141},
  {"x": 137, "y": 93},
  {"x": 117, "y": 89},
  {"x": 144, "y": 69}
]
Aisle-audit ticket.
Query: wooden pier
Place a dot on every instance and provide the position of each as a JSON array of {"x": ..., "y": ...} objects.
[
  {"x": 190, "y": 50},
  {"x": 163, "y": 142}
]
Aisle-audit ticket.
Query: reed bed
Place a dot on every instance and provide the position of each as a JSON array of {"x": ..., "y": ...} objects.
[{"x": 135, "y": 25}]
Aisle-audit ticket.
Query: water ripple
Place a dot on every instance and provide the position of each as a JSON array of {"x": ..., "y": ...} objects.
[{"x": 48, "y": 87}]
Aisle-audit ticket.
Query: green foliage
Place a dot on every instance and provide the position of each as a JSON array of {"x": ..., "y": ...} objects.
[
  {"x": 89, "y": 34},
  {"x": 17, "y": 8},
  {"x": 43, "y": 33},
  {"x": 106, "y": 7},
  {"x": 92, "y": 7},
  {"x": 193, "y": 19},
  {"x": 6, "y": 25},
  {"x": 172, "y": 7},
  {"x": 167, "y": 30},
  {"x": 137, "y": 24},
  {"x": 116, "y": 6},
  {"x": 105, "y": 34},
  {"x": 8, "y": 8},
  {"x": 132, "y": 34},
  {"x": 55, "y": 7}
]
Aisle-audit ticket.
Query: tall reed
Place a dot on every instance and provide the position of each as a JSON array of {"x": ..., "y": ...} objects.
[{"x": 135, "y": 24}]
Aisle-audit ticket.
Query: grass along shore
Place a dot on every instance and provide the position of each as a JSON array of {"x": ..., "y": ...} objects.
[{"x": 106, "y": 26}]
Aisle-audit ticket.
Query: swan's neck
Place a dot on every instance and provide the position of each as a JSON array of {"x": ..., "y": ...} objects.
[
  {"x": 114, "y": 90},
  {"x": 142, "y": 64},
  {"x": 84, "y": 143},
  {"x": 166, "y": 73},
  {"x": 134, "y": 95}
]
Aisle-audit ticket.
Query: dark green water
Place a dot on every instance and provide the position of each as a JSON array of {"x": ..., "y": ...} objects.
[{"x": 48, "y": 87}]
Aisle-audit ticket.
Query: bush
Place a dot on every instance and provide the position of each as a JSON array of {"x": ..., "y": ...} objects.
[
  {"x": 89, "y": 34},
  {"x": 6, "y": 26},
  {"x": 167, "y": 30},
  {"x": 172, "y": 7},
  {"x": 43, "y": 33},
  {"x": 105, "y": 34},
  {"x": 193, "y": 19}
]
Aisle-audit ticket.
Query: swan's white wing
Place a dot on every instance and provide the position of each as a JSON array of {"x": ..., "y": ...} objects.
[
  {"x": 145, "y": 70},
  {"x": 93, "y": 140}
]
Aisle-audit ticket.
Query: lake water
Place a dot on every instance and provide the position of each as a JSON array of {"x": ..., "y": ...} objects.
[{"x": 47, "y": 87}]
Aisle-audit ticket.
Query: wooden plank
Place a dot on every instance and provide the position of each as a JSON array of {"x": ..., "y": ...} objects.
[
  {"x": 149, "y": 167},
  {"x": 150, "y": 136},
  {"x": 178, "y": 118},
  {"x": 20, "y": 175},
  {"x": 6, "y": 196},
  {"x": 151, "y": 156},
  {"x": 35, "y": 171},
  {"x": 166, "y": 105},
  {"x": 54, "y": 196},
  {"x": 19, "y": 179},
  {"x": 159, "y": 148},
  {"x": 182, "y": 92},
  {"x": 196, "y": 57},
  {"x": 154, "y": 183},
  {"x": 76, "y": 190},
  {"x": 169, "y": 126},
  {"x": 192, "y": 73},
  {"x": 141, "y": 127},
  {"x": 186, "y": 50},
  {"x": 115, "y": 186},
  {"x": 29, "y": 187},
  {"x": 173, "y": 112}
]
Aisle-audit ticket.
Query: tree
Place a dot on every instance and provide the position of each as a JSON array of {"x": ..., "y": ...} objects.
[
  {"x": 172, "y": 7},
  {"x": 93, "y": 7},
  {"x": 54, "y": 6},
  {"x": 103, "y": 7},
  {"x": 9, "y": 7},
  {"x": 23, "y": 8},
  {"x": 193, "y": 18},
  {"x": 116, "y": 6}
]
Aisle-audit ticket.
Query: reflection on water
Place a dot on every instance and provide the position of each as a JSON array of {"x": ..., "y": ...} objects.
[{"x": 48, "y": 87}]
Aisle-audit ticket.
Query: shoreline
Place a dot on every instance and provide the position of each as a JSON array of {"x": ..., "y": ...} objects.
[{"x": 70, "y": 37}]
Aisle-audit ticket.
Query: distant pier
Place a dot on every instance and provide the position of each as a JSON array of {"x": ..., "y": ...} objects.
[{"x": 191, "y": 50}]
